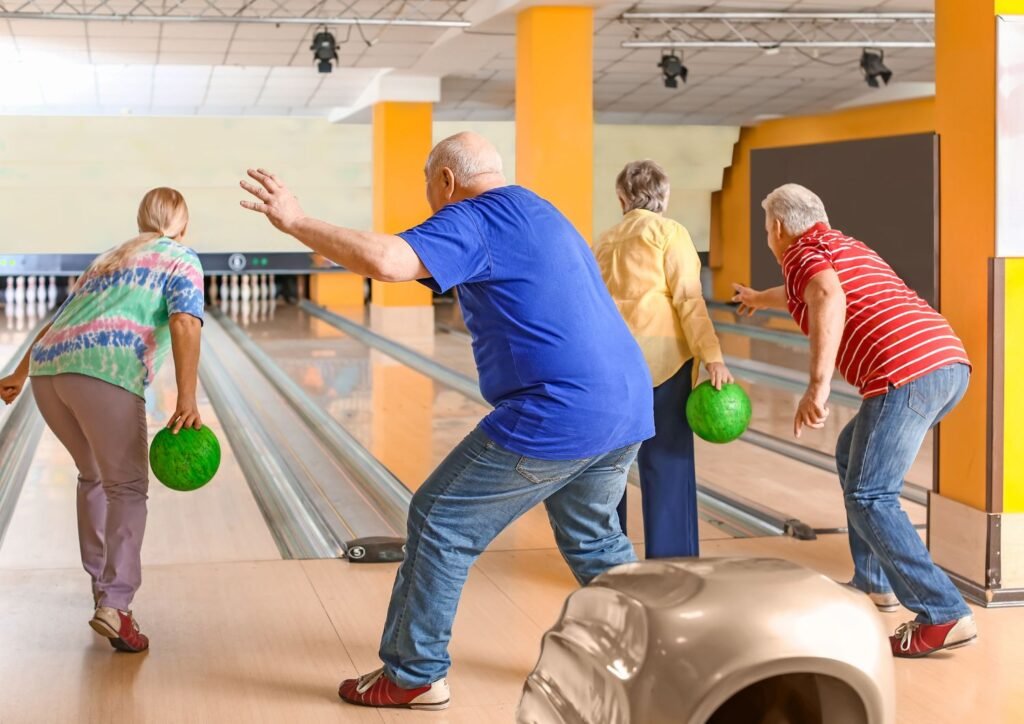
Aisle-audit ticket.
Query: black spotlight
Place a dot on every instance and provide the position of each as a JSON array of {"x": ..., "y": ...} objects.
[
  {"x": 672, "y": 67},
  {"x": 873, "y": 67},
  {"x": 325, "y": 49}
]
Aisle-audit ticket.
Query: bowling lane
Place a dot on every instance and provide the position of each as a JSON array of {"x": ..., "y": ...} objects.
[
  {"x": 773, "y": 408},
  {"x": 218, "y": 523},
  {"x": 764, "y": 477},
  {"x": 402, "y": 417}
]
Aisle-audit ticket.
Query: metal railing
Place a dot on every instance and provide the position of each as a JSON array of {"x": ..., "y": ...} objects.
[{"x": 20, "y": 430}]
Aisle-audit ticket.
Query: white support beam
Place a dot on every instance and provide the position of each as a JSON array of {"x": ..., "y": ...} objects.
[
  {"x": 746, "y": 17},
  {"x": 770, "y": 44},
  {"x": 389, "y": 86}
]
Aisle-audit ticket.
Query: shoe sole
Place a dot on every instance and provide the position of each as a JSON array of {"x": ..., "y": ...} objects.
[
  {"x": 948, "y": 647},
  {"x": 440, "y": 706},
  {"x": 103, "y": 629}
]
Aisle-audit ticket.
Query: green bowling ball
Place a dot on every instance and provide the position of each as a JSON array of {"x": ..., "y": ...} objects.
[
  {"x": 186, "y": 461},
  {"x": 718, "y": 416}
]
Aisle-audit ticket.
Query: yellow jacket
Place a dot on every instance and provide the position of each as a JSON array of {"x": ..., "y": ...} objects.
[{"x": 653, "y": 273}]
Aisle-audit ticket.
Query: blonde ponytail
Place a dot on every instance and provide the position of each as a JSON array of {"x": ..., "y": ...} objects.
[{"x": 163, "y": 212}]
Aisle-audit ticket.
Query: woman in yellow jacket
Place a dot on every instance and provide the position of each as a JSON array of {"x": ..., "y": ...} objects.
[{"x": 653, "y": 273}]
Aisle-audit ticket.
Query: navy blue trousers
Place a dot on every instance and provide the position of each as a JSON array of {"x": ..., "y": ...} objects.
[{"x": 668, "y": 480}]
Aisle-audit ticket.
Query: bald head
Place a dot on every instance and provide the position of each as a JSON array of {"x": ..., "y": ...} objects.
[{"x": 460, "y": 167}]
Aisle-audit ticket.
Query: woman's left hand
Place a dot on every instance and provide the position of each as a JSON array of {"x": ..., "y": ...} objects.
[
  {"x": 720, "y": 374},
  {"x": 186, "y": 414}
]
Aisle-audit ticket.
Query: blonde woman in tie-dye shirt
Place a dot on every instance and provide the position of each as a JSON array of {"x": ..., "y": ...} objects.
[{"x": 90, "y": 367}]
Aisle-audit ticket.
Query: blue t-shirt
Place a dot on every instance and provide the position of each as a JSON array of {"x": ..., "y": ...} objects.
[{"x": 554, "y": 356}]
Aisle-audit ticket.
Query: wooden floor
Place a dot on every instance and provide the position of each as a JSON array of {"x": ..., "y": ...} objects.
[
  {"x": 242, "y": 636},
  {"x": 268, "y": 641}
]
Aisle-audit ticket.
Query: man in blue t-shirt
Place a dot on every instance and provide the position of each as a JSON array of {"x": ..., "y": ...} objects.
[{"x": 570, "y": 389}]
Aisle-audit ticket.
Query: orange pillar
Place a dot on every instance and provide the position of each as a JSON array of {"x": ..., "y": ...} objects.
[
  {"x": 555, "y": 109},
  {"x": 340, "y": 289},
  {"x": 402, "y": 139},
  {"x": 976, "y": 519}
]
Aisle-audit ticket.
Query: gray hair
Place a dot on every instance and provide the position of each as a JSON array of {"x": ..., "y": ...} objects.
[
  {"x": 796, "y": 207},
  {"x": 643, "y": 185},
  {"x": 467, "y": 155}
]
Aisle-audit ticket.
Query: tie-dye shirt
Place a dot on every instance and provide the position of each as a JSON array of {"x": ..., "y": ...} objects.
[{"x": 114, "y": 327}]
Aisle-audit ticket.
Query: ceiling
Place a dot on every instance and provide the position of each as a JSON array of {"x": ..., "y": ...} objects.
[{"x": 75, "y": 67}]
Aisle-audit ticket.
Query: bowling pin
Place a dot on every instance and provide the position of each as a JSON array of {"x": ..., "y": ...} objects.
[
  {"x": 224, "y": 288},
  {"x": 41, "y": 290},
  {"x": 234, "y": 288},
  {"x": 51, "y": 291},
  {"x": 19, "y": 290},
  {"x": 233, "y": 313},
  {"x": 30, "y": 312},
  {"x": 266, "y": 286},
  {"x": 246, "y": 312},
  {"x": 30, "y": 291},
  {"x": 9, "y": 292},
  {"x": 213, "y": 290},
  {"x": 273, "y": 290},
  {"x": 19, "y": 313},
  {"x": 41, "y": 308},
  {"x": 246, "y": 289}
]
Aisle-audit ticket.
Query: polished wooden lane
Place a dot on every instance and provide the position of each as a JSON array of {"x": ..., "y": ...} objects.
[
  {"x": 347, "y": 378},
  {"x": 220, "y": 522},
  {"x": 773, "y": 480}
]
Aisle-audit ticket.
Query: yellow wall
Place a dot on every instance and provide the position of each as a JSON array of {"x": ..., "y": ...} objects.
[
  {"x": 73, "y": 184},
  {"x": 693, "y": 158},
  {"x": 893, "y": 119}
]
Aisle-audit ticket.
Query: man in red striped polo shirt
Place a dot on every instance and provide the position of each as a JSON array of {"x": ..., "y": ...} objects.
[{"x": 911, "y": 370}]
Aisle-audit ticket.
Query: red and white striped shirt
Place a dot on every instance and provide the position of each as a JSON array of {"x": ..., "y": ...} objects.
[{"x": 892, "y": 336}]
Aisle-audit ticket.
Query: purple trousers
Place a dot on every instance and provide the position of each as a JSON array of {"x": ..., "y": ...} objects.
[{"x": 104, "y": 428}]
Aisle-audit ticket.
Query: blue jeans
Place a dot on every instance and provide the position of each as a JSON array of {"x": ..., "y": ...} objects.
[
  {"x": 473, "y": 495},
  {"x": 874, "y": 453},
  {"x": 668, "y": 480}
]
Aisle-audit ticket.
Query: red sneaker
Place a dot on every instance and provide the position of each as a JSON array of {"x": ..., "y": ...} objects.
[
  {"x": 121, "y": 628},
  {"x": 913, "y": 640},
  {"x": 376, "y": 689}
]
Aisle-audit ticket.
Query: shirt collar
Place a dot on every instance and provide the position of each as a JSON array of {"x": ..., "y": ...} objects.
[
  {"x": 814, "y": 232},
  {"x": 808, "y": 237}
]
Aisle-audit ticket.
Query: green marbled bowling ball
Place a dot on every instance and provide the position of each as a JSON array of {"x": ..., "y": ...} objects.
[
  {"x": 718, "y": 416},
  {"x": 186, "y": 461}
]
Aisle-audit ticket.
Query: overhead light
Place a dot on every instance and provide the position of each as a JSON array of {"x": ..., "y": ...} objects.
[
  {"x": 672, "y": 67},
  {"x": 873, "y": 67},
  {"x": 325, "y": 49}
]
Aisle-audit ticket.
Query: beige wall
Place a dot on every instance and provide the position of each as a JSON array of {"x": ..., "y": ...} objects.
[{"x": 73, "y": 184}]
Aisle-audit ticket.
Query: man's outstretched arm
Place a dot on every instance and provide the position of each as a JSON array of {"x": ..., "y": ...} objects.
[{"x": 384, "y": 257}]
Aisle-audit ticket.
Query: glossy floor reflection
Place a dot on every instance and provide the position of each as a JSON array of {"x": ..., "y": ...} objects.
[{"x": 765, "y": 477}]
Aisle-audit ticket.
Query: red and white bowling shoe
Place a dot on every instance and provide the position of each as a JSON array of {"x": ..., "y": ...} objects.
[{"x": 376, "y": 689}]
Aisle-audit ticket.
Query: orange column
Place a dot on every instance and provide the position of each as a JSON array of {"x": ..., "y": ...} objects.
[
  {"x": 402, "y": 139},
  {"x": 340, "y": 289},
  {"x": 555, "y": 109},
  {"x": 976, "y": 520},
  {"x": 965, "y": 76}
]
